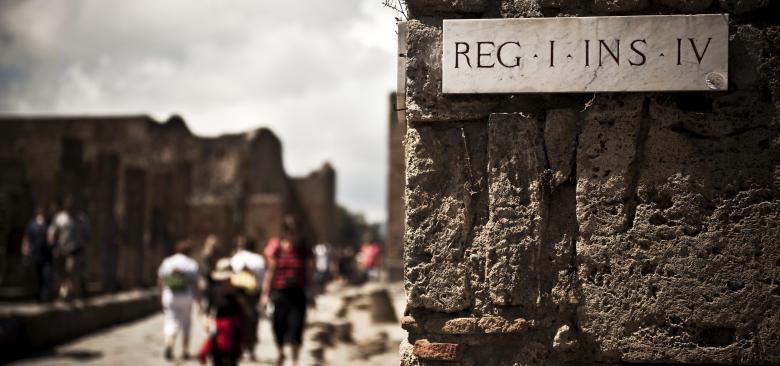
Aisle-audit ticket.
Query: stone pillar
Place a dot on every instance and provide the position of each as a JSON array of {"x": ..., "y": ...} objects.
[
  {"x": 547, "y": 229},
  {"x": 395, "y": 194}
]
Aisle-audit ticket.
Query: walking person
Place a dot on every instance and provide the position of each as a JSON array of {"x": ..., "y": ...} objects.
[
  {"x": 227, "y": 311},
  {"x": 177, "y": 278},
  {"x": 323, "y": 266},
  {"x": 249, "y": 269},
  {"x": 287, "y": 282},
  {"x": 68, "y": 236},
  {"x": 36, "y": 247}
]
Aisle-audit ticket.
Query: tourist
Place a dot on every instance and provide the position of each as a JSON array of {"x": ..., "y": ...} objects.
[
  {"x": 369, "y": 261},
  {"x": 323, "y": 266},
  {"x": 250, "y": 270},
  {"x": 227, "y": 313},
  {"x": 286, "y": 283},
  {"x": 212, "y": 251},
  {"x": 346, "y": 265},
  {"x": 68, "y": 236},
  {"x": 37, "y": 249},
  {"x": 177, "y": 278}
]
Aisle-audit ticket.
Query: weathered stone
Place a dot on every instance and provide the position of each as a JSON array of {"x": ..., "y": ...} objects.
[
  {"x": 743, "y": 6},
  {"x": 521, "y": 8},
  {"x": 560, "y": 142},
  {"x": 424, "y": 100},
  {"x": 497, "y": 325},
  {"x": 606, "y": 164},
  {"x": 409, "y": 324},
  {"x": 564, "y": 340},
  {"x": 443, "y": 180},
  {"x": 653, "y": 242},
  {"x": 516, "y": 155},
  {"x": 619, "y": 6},
  {"x": 436, "y": 351},
  {"x": 451, "y": 326},
  {"x": 421, "y": 8},
  {"x": 687, "y": 6}
]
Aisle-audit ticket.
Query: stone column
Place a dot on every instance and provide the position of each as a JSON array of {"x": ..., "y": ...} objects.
[{"x": 546, "y": 229}]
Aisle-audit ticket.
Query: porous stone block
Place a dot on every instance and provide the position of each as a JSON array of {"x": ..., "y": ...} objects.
[
  {"x": 497, "y": 325},
  {"x": 521, "y": 8},
  {"x": 687, "y": 6},
  {"x": 691, "y": 266},
  {"x": 424, "y": 99},
  {"x": 451, "y": 326},
  {"x": 444, "y": 178},
  {"x": 421, "y": 8},
  {"x": 560, "y": 142},
  {"x": 410, "y": 324},
  {"x": 436, "y": 351},
  {"x": 606, "y": 156},
  {"x": 516, "y": 161},
  {"x": 743, "y": 6},
  {"x": 619, "y": 6}
]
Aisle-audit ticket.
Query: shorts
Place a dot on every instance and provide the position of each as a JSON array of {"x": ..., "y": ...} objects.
[
  {"x": 177, "y": 310},
  {"x": 289, "y": 315}
]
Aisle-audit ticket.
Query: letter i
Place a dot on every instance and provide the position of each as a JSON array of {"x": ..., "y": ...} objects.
[
  {"x": 587, "y": 52},
  {"x": 679, "y": 45},
  {"x": 552, "y": 53}
]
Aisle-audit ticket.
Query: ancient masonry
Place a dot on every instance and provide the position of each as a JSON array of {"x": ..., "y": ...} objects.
[
  {"x": 578, "y": 228},
  {"x": 144, "y": 185}
]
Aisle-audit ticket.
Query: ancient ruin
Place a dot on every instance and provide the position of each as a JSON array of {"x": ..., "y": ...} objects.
[
  {"x": 609, "y": 228},
  {"x": 144, "y": 185}
]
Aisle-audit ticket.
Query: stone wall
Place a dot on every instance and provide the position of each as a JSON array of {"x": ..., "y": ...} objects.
[
  {"x": 593, "y": 228},
  {"x": 144, "y": 185}
]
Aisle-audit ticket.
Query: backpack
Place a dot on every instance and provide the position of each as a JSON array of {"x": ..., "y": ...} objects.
[{"x": 177, "y": 281}]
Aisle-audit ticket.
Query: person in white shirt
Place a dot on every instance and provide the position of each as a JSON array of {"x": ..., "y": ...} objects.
[
  {"x": 252, "y": 264},
  {"x": 178, "y": 280}
]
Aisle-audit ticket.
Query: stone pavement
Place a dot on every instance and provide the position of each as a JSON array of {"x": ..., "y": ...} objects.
[{"x": 140, "y": 342}]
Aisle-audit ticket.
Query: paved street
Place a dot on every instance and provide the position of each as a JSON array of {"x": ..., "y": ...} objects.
[{"x": 140, "y": 343}]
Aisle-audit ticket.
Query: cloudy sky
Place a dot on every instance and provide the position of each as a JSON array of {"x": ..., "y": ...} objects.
[{"x": 318, "y": 73}]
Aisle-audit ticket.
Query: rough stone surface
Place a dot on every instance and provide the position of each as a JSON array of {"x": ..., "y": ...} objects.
[
  {"x": 424, "y": 100},
  {"x": 421, "y": 8},
  {"x": 442, "y": 189},
  {"x": 619, "y": 6},
  {"x": 742, "y": 6},
  {"x": 598, "y": 229},
  {"x": 516, "y": 161},
  {"x": 685, "y": 5}
]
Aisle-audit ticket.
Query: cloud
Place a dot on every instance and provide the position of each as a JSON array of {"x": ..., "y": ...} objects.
[{"x": 318, "y": 73}]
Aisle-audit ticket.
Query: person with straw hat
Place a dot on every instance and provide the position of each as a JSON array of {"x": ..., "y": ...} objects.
[{"x": 227, "y": 312}]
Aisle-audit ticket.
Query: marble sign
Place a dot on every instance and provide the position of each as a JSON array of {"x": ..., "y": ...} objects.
[{"x": 592, "y": 54}]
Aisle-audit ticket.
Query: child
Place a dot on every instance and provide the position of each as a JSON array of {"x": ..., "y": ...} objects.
[{"x": 227, "y": 312}]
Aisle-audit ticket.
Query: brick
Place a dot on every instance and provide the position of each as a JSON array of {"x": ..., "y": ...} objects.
[{"x": 436, "y": 351}]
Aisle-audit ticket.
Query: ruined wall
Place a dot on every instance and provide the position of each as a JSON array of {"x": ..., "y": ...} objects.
[
  {"x": 393, "y": 258},
  {"x": 143, "y": 185},
  {"x": 315, "y": 193},
  {"x": 581, "y": 228}
]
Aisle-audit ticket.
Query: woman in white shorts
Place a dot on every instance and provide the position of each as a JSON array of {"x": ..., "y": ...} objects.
[{"x": 177, "y": 278}]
